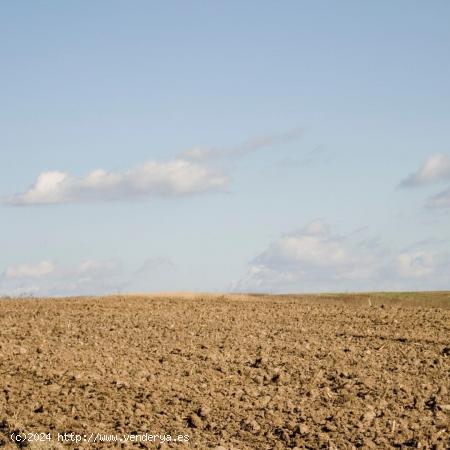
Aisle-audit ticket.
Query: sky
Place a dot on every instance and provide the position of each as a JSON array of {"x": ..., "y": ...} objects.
[{"x": 254, "y": 146}]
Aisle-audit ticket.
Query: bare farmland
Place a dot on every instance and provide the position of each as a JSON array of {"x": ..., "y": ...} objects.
[{"x": 233, "y": 372}]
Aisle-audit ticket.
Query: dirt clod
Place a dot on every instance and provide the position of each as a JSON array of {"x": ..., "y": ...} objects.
[
  {"x": 204, "y": 411},
  {"x": 194, "y": 421}
]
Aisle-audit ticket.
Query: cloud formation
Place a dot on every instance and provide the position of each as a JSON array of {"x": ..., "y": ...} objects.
[
  {"x": 314, "y": 259},
  {"x": 250, "y": 146},
  {"x": 434, "y": 170},
  {"x": 188, "y": 174},
  {"x": 417, "y": 264},
  {"x": 174, "y": 178},
  {"x": 48, "y": 279},
  {"x": 39, "y": 270},
  {"x": 88, "y": 277}
]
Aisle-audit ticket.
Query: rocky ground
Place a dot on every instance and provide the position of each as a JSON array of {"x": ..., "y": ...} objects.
[{"x": 228, "y": 372}]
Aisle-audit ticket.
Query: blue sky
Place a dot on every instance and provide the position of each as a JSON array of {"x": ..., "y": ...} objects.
[{"x": 250, "y": 146}]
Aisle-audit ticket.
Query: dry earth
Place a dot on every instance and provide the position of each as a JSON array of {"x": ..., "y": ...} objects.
[{"x": 230, "y": 372}]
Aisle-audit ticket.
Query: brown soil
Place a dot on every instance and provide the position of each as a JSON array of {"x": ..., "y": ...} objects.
[{"x": 232, "y": 372}]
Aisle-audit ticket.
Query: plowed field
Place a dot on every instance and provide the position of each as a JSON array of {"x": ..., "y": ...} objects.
[{"x": 227, "y": 372}]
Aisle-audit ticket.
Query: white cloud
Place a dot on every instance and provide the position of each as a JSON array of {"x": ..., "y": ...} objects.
[
  {"x": 250, "y": 146},
  {"x": 39, "y": 270},
  {"x": 45, "y": 278},
  {"x": 178, "y": 177},
  {"x": 315, "y": 259},
  {"x": 186, "y": 175},
  {"x": 435, "y": 169},
  {"x": 96, "y": 268},
  {"x": 89, "y": 277},
  {"x": 306, "y": 248},
  {"x": 417, "y": 264}
]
